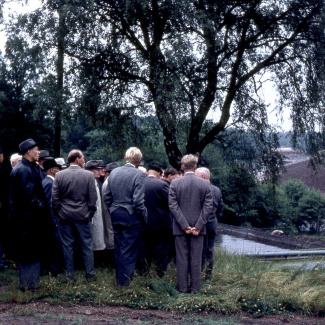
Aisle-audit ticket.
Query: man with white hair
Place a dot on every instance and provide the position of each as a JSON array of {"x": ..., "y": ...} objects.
[
  {"x": 190, "y": 203},
  {"x": 15, "y": 159},
  {"x": 124, "y": 197},
  {"x": 211, "y": 226}
]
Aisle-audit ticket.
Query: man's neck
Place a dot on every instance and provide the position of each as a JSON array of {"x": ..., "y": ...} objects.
[{"x": 30, "y": 159}]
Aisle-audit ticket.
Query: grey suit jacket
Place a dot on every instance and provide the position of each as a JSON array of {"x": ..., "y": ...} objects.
[
  {"x": 126, "y": 190},
  {"x": 190, "y": 202},
  {"x": 74, "y": 194}
]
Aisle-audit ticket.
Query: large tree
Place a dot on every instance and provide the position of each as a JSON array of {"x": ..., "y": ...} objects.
[
  {"x": 184, "y": 59},
  {"x": 187, "y": 61}
]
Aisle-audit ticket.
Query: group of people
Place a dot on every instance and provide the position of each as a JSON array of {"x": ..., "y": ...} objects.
[{"x": 141, "y": 217}]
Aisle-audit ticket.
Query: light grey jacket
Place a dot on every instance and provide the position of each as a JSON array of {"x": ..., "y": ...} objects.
[
  {"x": 190, "y": 203},
  {"x": 125, "y": 189},
  {"x": 74, "y": 194}
]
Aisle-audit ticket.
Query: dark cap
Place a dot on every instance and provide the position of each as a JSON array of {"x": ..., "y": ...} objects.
[
  {"x": 101, "y": 164},
  {"x": 109, "y": 167},
  {"x": 1, "y": 151},
  {"x": 27, "y": 144},
  {"x": 44, "y": 154},
  {"x": 92, "y": 164},
  {"x": 50, "y": 163},
  {"x": 155, "y": 168}
]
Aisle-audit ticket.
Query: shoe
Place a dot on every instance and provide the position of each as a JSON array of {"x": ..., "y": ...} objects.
[{"x": 91, "y": 278}]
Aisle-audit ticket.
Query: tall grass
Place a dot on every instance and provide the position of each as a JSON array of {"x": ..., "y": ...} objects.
[{"x": 237, "y": 284}]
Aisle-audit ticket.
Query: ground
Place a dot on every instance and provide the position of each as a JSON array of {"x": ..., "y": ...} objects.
[
  {"x": 65, "y": 314},
  {"x": 43, "y": 313}
]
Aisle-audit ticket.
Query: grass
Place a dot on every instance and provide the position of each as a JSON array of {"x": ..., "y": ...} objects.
[{"x": 237, "y": 284}]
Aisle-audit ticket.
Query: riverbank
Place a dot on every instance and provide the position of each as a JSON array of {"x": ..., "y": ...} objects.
[{"x": 265, "y": 237}]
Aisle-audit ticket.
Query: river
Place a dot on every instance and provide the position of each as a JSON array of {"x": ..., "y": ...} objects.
[{"x": 243, "y": 246}]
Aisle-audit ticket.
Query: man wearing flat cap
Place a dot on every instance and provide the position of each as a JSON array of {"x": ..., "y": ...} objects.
[
  {"x": 29, "y": 216},
  {"x": 51, "y": 167},
  {"x": 155, "y": 234},
  {"x": 43, "y": 156},
  {"x": 97, "y": 228},
  {"x": 74, "y": 202}
]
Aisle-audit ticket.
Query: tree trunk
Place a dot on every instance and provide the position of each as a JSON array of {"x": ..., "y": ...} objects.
[{"x": 59, "y": 93}]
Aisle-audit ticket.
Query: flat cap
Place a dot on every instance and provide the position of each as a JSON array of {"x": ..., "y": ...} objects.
[
  {"x": 50, "y": 163},
  {"x": 44, "y": 154},
  {"x": 155, "y": 168},
  {"x": 92, "y": 164},
  {"x": 109, "y": 167}
]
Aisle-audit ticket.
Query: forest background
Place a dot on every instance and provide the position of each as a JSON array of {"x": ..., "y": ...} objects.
[{"x": 175, "y": 77}]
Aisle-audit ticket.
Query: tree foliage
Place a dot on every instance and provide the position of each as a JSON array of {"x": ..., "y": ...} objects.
[{"x": 179, "y": 59}]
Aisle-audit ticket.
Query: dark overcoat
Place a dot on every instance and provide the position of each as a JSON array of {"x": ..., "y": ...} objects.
[{"x": 29, "y": 215}]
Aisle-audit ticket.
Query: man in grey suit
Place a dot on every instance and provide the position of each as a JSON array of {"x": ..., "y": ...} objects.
[
  {"x": 212, "y": 223},
  {"x": 190, "y": 202},
  {"x": 74, "y": 202},
  {"x": 124, "y": 197}
]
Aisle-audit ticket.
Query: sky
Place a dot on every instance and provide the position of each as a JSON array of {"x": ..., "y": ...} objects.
[{"x": 268, "y": 92}]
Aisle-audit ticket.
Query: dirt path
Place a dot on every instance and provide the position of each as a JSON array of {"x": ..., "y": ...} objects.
[{"x": 43, "y": 313}]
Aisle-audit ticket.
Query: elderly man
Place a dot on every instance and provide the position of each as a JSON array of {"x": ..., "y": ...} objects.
[
  {"x": 29, "y": 216},
  {"x": 74, "y": 201},
  {"x": 124, "y": 197},
  {"x": 51, "y": 167},
  {"x": 43, "y": 156},
  {"x": 156, "y": 233},
  {"x": 97, "y": 228},
  {"x": 212, "y": 223},
  {"x": 15, "y": 159},
  {"x": 190, "y": 202},
  {"x": 108, "y": 228}
]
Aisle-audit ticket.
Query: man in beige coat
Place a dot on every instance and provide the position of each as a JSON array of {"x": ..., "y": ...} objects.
[{"x": 190, "y": 202}]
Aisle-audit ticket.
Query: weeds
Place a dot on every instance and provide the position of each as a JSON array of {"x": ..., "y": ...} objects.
[{"x": 237, "y": 284}]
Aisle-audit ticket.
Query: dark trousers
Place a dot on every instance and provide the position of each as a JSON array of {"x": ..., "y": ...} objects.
[
  {"x": 126, "y": 241},
  {"x": 83, "y": 231},
  {"x": 29, "y": 275},
  {"x": 189, "y": 262},
  {"x": 155, "y": 247},
  {"x": 208, "y": 249}
]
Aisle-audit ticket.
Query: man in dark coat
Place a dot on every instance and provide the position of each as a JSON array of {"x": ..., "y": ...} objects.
[
  {"x": 51, "y": 167},
  {"x": 190, "y": 202},
  {"x": 124, "y": 197},
  {"x": 155, "y": 234},
  {"x": 29, "y": 216}
]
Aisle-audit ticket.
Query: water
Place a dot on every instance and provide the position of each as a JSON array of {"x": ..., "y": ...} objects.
[{"x": 242, "y": 246}]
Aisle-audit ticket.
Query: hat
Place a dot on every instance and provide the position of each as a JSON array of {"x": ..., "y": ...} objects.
[
  {"x": 50, "y": 163},
  {"x": 27, "y": 144},
  {"x": 101, "y": 164},
  {"x": 155, "y": 168},
  {"x": 44, "y": 154},
  {"x": 92, "y": 164},
  {"x": 109, "y": 167},
  {"x": 1, "y": 151},
  {"x": 60, "y": 161}
]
